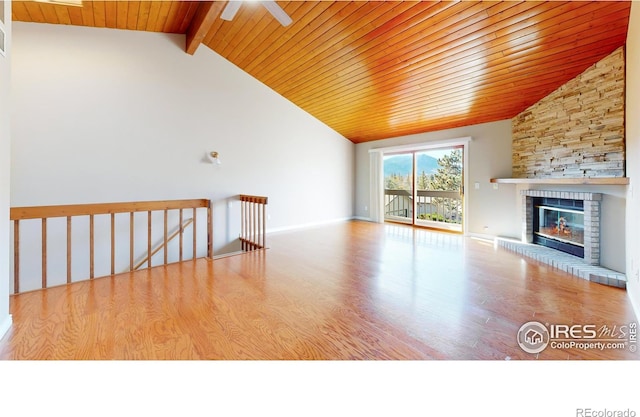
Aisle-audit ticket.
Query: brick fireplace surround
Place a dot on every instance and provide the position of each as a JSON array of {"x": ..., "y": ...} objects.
[
  {"x": 591, "y": 218},
  {"x": 588, "y": 268}
]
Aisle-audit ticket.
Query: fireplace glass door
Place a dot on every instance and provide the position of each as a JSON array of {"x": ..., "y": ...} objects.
[{"x": 561, "y": 224}]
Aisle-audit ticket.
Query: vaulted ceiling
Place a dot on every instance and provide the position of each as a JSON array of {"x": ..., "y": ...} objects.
[{"x": 379, "y": 69}]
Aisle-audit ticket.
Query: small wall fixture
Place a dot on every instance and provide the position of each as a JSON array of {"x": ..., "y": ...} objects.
[{"x": 215, "y": 158}]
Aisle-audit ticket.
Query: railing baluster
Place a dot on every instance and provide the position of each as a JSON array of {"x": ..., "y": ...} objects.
[
  {"x": 16, "y": 256},
  {"x": 91, "y": 247},
  {"x": 245, "y": 235},
  {"x": 166, "y": 254},
  {"x": 44, "y": 253},
  {"x": 256, "y": 219},
  {"x": 255, "y": 227},
  {"x": 149, "y": 238},
  {"x": 68, "y": 249},
  {"x": 264, "y": 225},
  {"x": 209, "y": 232},
  {"x": 180, "y": 236},
  {"x": 131, "y": 243},
  {"x": 249, "y": 224},
  {"x": 194, "y": 233},
  {"x": 242, "y": 221},
  {"x": 113, "y": 243}
]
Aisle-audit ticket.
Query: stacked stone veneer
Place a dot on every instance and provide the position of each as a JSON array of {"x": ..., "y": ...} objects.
[
  {"x": 591, "y": 218},
  {"x": 578, "y": 130}
]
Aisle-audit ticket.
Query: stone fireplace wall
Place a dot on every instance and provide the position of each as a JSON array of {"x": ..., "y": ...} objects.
[{"x": 578, "y": 130}]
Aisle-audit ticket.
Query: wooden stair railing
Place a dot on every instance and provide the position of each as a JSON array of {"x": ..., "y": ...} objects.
[
  {"x": 43, "y": 213},
  {"x": 253, "y": 230}
]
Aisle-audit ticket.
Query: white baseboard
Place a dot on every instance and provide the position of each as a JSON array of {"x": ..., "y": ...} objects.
[
  {"x": 5, "y": 325},
  {"x": 307, "y": 225},
  {"x": 364, "y": 219},
  {"x": 634, "y": 305},
  {"x": 481, "y": 236},
  {"x": 226, "y": 255}
]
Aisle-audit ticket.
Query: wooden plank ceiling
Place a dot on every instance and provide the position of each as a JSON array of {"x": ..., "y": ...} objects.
[{"x": 379, "y": 69}]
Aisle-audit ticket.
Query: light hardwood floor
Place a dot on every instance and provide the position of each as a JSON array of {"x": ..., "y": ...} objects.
[{"x": 352, "y": 290}]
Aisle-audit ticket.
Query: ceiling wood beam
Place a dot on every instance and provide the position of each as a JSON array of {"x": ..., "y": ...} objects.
[{"x": 199, "y": 27}]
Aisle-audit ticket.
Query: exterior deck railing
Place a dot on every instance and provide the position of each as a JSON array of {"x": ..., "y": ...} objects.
[{"x": 437, "y": 206}]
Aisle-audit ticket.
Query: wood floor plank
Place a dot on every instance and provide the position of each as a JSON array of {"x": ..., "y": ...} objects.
[{"x": 348, "y": 291}]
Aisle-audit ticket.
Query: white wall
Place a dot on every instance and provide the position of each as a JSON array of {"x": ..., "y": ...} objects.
[
  {"x": 103, "y": 115},
  {"x": 490, "y": 211},
  {"x": 5, "y": 72},
  {"x": 632, "y": 138}
]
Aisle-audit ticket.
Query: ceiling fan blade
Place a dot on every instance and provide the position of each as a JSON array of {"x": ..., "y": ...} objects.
[
  {"x": 230, "y": 10},
  {"x": 277, "y": 12}
]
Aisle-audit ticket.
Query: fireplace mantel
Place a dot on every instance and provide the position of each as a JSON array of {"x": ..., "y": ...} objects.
[{"x": 564, "y": 181}]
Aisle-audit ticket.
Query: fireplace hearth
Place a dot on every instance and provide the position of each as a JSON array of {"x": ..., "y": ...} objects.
[
  {"x": 586, "y": 267},
  {"x": 563, "y": 220}
]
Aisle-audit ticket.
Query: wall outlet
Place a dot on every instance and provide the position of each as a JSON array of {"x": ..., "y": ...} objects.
[
  {"x": 366, "y": 208},
  {"x": 476, "y": 185},
  {"x": 495, "y": 186}
]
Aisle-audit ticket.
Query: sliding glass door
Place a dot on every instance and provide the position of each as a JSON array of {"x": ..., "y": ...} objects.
[
  {"x": 398, "y": 187},
  {"x": 439, "y": 188},
  {"x": 425, "y": 187}
]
